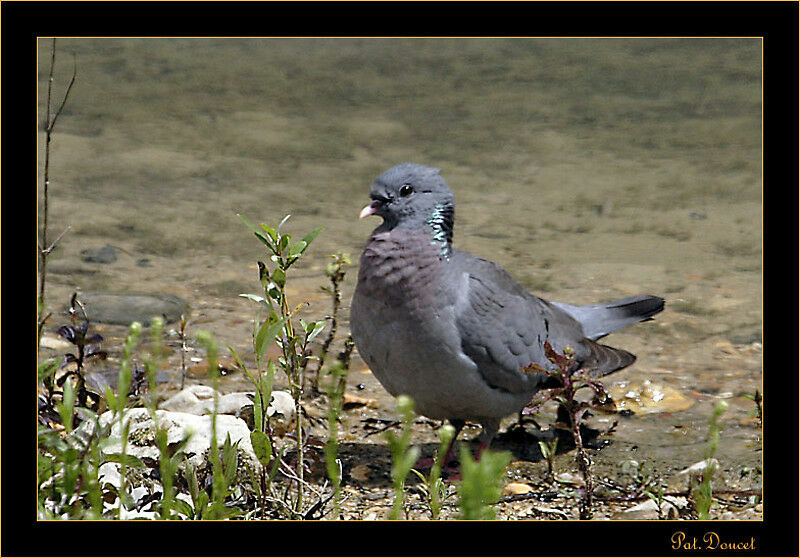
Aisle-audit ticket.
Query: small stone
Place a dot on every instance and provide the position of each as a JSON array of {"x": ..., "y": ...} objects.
[
  {"x": 125, "y": 308},
  {"x": 698, "y": 470},
  {"x": 361, "y": 472},
  {"x": 225, "y": 366},
  {"x": 570, "y": 478},
  {"x": 513, "y": 488},
  {"x": 281, "y": 403},
  {"x": 375, "y": 513},
  {"x": 105, "y": 255},
  {"x": 351, "y": 400},
  {"x": 55, "y": 343},
  {"x": 649, "y": 509}
]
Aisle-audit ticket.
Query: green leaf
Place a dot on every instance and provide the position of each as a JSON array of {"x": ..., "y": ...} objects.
[
  {"x": 231, "y": 459},
  {"x": 201, "y": 506},
  {"x": 312, "y": 235},
  {"x": 66, "y": 408},
  {"x": 258, "y": 411},
  {"x": 256, "y": 232},
  {"x": 266, "y": 334},
  {"x": 261, "y": 447},
  {"x": 283, "y": 241},
  {"x": 273, "y": 472},
  {"x": 183, "y": 508},
  {"x": 270, "y": 231},
  {"x": 128, "y": 460},
  {"x": 296, "y": 250},
  {"x": 279, "y": 277},
  {"x": 313, "y": 329},
  {"x": 47, "y": 368},
  {"x": 111, "y": 399}
]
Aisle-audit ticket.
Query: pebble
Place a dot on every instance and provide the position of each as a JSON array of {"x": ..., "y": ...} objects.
[
  {"x": 125, "y": 308},
  {"x": 649, "y": 509},
  {"x": 54, "y": 343},
  {"x": 105, "y": 255},
  {"x": 375, "y": 513},
  {"x": 698, "y": 470},
  {"x": 361, "y": 472},
  {"x": 570, "y": 478},
  {"x": 351, "y": 400},
  {"x": 200, "y": 370},
  {"x": 517, "y": 488}
]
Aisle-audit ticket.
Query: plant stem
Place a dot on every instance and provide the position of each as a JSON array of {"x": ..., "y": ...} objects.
[{"x": 44, "y": 249}]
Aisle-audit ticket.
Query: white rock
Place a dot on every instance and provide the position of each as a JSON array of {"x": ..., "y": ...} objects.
[
  {"x": 698, "y": 470},
  {"x": 281, "y": 403},
  {"x": 139, "y": 492},
  {"x": 649, "y": 509},
  {"x": 133, "y": 514},
  {"x": 232, "y": 403},
  {"x": 141, "y": 438},
  {"x": 109, "y": 473},
  {"x": 55, "y": 343},
  {"x": 199, "y": 400}
]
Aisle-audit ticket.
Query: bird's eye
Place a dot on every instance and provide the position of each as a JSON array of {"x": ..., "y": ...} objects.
[{"x": 406, "y": 190}]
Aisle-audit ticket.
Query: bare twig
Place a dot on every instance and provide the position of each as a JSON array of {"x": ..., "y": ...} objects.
[
  {"x": 50, "y": 123},
  {"x": 46, "y": 251},
  {"x": 336, "y": 273},
  {"x": 182, "y": 336}
]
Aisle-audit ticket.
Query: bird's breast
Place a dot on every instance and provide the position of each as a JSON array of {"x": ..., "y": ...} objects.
[{"x": 401, "y": 269}]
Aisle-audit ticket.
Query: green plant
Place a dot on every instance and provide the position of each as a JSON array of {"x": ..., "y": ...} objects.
[
  {"x": 642, "y": 480},
  {"x": 548, "y": 450},
  {"x": 481, "y": 483},
  {"x": 223, "y": 468},
  {"x": 182, "y": 336},
  {"x": 403, "y": 454},
  {"x": 86, "y": 349},
  {"x": 702, "y": 493},
  {"x": 336, "y": 387},
  {"x": 279, "y": 325},
  {"x": 118, "y": 403},
  {"x": 757, "y": 399},
  {"x": 434, "y": 488},
  {"x": 571, "y": 380},
  {"x": 67, "y": 470},
  {"x": 70, "y": 458},
  {"x": 335, "y": 271}
]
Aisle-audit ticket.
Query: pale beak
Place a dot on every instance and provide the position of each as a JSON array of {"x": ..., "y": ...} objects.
[{"x": 371, "y": 209}]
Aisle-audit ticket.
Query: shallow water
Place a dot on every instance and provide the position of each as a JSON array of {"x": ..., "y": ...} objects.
[{"x": 589, "y": 169}]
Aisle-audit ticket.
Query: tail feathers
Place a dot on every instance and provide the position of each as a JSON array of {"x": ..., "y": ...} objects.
[
  {"x": 598, "y": 320},
  {"x": 603, "y": 360}
]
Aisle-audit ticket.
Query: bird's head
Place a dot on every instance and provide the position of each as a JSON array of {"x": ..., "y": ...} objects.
[{"x": 412, "y": 196}]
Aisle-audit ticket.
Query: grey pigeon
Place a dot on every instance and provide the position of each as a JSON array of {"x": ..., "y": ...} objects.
[{"x": 452, "y": 330}]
